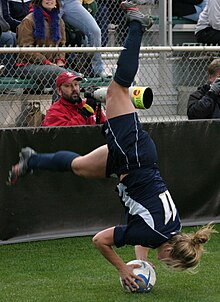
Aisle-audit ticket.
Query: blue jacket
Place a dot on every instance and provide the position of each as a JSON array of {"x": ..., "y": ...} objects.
[{"x": 14, "y": 11}]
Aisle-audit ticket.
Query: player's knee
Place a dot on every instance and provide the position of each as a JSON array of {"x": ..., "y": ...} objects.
[
  {"x": 95, "y": 240},
  {"x": 77, "y": 167}
]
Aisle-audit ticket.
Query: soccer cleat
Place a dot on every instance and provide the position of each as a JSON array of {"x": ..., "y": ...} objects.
[
  {"x": 133, "y": 3},
  {"x": 21, "y": 168},
  {"x": 128, "y": 5},
  {"x": 133, "y": 14}
]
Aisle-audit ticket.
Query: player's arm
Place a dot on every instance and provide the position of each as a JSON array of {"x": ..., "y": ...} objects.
[
  {"x": 141, "y": 252},
  {"x": 104, "y": 242}
]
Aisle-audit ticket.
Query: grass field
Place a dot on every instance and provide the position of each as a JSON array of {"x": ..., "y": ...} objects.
[{"x": 73, "y": 270}]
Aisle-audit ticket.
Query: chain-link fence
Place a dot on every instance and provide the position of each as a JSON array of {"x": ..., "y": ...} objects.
[
  {"x": 171, "y": 72},
  {"x": 112, "y": 21}
]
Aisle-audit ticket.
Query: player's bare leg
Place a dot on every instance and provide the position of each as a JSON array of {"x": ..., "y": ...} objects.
[
  {"x": 118, "y": 99},
  {"x": 92, "y": 165}
]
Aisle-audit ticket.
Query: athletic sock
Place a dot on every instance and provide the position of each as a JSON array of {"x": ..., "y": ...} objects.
[
  {"x": 128, "y": 61},
  {"x": 59, "y": 161}
]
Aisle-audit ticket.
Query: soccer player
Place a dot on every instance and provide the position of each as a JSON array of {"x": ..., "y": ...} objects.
[{"x": 151, "y": 215}]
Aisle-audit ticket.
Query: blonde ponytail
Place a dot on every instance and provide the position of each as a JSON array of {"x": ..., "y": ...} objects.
[{"x": 187, "y": 249}]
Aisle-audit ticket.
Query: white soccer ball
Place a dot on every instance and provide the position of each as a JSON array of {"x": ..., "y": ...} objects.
[{"x": 147, "y": 273}]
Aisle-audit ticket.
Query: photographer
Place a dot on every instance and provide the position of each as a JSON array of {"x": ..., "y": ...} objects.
[
  {"x": 70, "y": 109},
  {"x": 204, "y": 103}
]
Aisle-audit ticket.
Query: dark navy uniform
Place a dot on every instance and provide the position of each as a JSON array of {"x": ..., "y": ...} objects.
[{"x": 150, "y": 212}]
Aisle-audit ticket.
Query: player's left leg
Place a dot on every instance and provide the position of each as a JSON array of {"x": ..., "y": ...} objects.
[{"x": 91, "y": 165}]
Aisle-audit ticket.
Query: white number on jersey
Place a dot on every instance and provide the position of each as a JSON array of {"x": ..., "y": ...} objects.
[{"x": 169, "y": 206}]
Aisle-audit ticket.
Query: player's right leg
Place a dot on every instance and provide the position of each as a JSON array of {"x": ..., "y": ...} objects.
[
  {"x": 118, "y": 100},
  {"x": 91, "y": 165}
]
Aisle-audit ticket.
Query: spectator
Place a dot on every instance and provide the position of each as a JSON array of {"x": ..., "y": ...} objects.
[
  {"x": 79, "y": 17},
  {"x": 204, "y": 103},
  {"x": 208, "y": 26},
  {"x": 189, "y": 9},
  {"x": 91, "y": 6},
  {"x": 70, "y": 109},
  {"x": 7, "y": 38},
  {"x": 42, "y": 27},
  {"x": 14, "y": 11}
]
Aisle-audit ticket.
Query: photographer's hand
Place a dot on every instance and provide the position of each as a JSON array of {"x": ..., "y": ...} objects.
[
  {"x": 89, "y": 91},
  {"x": 215, "y": 86},
  {"x": 89, "y": 108}
]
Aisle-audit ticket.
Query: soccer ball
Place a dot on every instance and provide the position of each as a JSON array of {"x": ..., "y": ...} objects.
[{"x": 146, "y": 272}]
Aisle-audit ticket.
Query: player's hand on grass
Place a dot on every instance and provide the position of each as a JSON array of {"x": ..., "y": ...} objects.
[{"x": 128, "y": 277}]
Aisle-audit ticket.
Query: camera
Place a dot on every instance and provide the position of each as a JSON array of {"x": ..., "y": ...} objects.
[{"x": 141, "y": 97}]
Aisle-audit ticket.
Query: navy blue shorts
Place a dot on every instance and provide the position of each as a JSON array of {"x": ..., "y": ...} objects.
[{"x": 130, "y": 147}]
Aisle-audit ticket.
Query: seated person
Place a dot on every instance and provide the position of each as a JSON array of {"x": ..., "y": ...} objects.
[
  {"x": 189, "y": 9},
  {"x": 42, "y": 27},
  {"x": 208, "y": 27},
  {"x": 70, "y": 109},
  {"x": 204, "y": 103},
  {"x": 7, "y": 38},
  {"x": 14, "y": 11}
]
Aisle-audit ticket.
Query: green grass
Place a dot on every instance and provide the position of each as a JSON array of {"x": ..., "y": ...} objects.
[{"x": 73, "y": 270}]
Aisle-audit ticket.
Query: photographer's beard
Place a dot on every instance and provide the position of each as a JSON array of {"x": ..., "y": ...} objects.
[{"x": 73, "y": 98}]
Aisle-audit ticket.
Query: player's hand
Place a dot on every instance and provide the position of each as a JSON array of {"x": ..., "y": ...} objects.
[
  {"x": 215, "y": 86},
  {"x": 89, "y": 108},
  {"x": 128, "y": 277}
]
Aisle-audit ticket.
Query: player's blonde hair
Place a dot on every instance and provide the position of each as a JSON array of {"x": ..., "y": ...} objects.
[{"x": 187, "y": 249}]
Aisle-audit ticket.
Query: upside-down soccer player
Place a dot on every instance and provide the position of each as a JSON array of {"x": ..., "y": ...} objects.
[{"x": 152, "y": 217}]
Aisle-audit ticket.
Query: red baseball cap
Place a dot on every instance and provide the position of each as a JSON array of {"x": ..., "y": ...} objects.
[{"x": 66, "y": 77}]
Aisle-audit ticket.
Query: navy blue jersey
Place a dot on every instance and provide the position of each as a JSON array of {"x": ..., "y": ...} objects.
[
  {"x": 130, "y": 147},
  {"x": 150, "y": 212}
]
